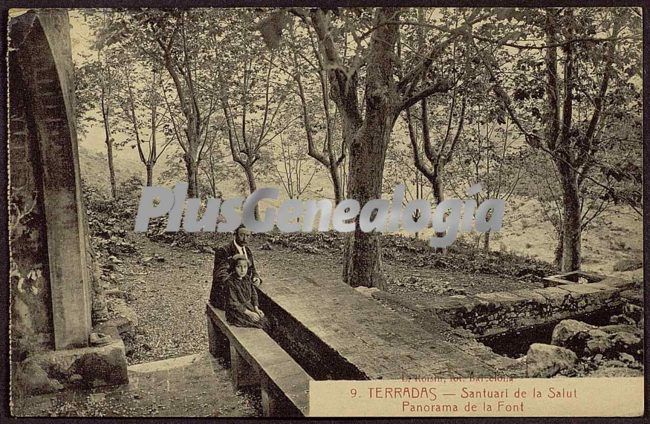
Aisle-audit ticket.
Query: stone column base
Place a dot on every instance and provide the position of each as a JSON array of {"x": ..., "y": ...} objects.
[{"x": 60, "y": 369}]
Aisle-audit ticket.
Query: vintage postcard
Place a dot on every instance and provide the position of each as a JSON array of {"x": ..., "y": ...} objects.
[{"x": 326, "y": 212}]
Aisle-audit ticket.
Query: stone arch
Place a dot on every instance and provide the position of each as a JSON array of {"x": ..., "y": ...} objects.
[{"x": 43, "y": 157}]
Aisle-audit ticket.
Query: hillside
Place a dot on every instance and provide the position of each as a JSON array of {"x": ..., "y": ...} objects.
[{"x": 94, "y": 169}]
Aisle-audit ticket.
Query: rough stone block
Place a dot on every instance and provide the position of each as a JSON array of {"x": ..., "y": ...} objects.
[
  {"x": 31, "y": 379},
  {"x": 628, "y": 343},
  {"x": 633, "y": 296},
  {"x": 110, "y": 328},
  {"x": 510, "y": 297},
  {"x": 531, "y": 296},
  {"x": 618, "y": 283},
  {"x": 118, "y": 308},
  {"x": 489, "y": 297},
  {"x": 554, "y": 295},
  {"x": 581, "y": 289},
  {"x": 450, "y": 303},
  {"x": 621, "y": 319},
  {"x": 92, "y": 366},
  {"x": 554, "y": 282},
  {"x": 633, "y": 311},
  {"x": 544, "y": 360},
  {"x": 603, "y": 287}
]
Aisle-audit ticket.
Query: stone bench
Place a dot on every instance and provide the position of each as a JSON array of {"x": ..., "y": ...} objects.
[{"x": 256, "y": 359}]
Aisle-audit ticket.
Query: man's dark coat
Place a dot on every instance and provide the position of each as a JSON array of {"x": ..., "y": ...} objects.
[{"x": 221, "y": 272}]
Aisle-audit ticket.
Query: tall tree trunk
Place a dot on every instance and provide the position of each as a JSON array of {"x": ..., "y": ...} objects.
[
  {"x": 111, "y": 166},
  {"x": 149, "y": 166},
  {"x": 436, "y": 187},
  {"x": 250, "y": 178},
  {"x": 486, "y": 242},
  {"x": 252, "y": 185},
  {"x": 109, "y": 148},
  {"x": 559, "y": 247},
  {"x": 192, "y": 176},
  {"x": 104, "y": 98},
  {"x": 368, "y": 150},
  {"x": 336, "y": 183},
  {"x": 362, "y": 265},
  {"x": 571, "y": 231}
]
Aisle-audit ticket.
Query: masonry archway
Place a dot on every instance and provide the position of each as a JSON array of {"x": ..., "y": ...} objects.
[{"x": 51, "y": 289}]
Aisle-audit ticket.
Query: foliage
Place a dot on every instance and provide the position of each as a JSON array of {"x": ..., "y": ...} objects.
[
  {"x": 400, "y": 169},
  {"x": 546, "y": 98},
  {"x": 564, "y": 95},
  {"x": 292, "y": 169}
]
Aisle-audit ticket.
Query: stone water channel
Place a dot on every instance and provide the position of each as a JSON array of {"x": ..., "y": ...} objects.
[
  {"x": 509, "y": 323},
  {"x": 499, "y": 314},
  {"x": 580, "y": 321},
  {"x": 335, "y": 332}
]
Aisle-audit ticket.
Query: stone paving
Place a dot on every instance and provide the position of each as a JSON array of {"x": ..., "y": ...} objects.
[{"x": 381, "y": 343}]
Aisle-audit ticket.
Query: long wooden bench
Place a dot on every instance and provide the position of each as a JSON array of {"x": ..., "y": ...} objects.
[{"x": 256, "y": 359}]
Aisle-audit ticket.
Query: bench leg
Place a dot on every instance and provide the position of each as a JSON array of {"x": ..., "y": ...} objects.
[
  {"x": 243, "y": 374},
  {"x": 269, "y": 403},
  {"x": 274, "y": 403},
  {"x": 218, "y": 343}
]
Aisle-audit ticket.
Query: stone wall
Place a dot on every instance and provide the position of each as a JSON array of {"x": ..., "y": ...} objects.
[{"x": 487, "y": 314}]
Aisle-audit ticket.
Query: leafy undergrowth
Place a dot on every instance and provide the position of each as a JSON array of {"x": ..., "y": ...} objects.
[
  {"x": 411, "y": 266},
  {"x": 396, "y": 249}
]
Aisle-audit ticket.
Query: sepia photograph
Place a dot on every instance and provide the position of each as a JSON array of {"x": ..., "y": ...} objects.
[{"x": 309, "y": 212}]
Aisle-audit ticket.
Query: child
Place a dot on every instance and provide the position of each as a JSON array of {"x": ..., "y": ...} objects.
[{"x": 242, "y": 307}]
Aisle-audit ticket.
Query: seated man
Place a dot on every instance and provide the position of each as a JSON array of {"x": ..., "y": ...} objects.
[
  {"x": 222, "y": 268},
  {"x": 242, "y": 306}
]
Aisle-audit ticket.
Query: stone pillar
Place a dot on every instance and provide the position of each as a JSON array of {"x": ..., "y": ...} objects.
[
  {"x": 45, "y": 62},
  {"x": 31, "y": 304}
]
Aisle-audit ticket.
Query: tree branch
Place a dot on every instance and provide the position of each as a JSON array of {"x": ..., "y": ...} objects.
[{"x": 437, "y": 87}]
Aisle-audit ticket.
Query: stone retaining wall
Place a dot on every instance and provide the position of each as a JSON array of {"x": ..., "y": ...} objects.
[{"x": 487, "y": 314}]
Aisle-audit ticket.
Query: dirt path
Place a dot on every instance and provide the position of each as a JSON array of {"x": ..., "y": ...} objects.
[{"x": 167, "y": 289}]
